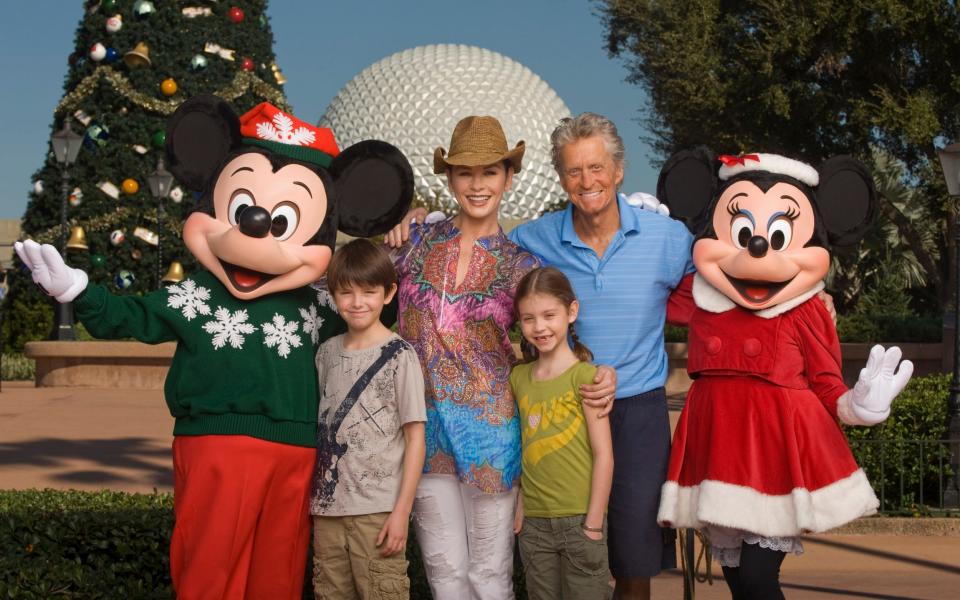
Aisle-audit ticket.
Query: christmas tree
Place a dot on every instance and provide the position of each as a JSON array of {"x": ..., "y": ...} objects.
[{"x": 134, "y": 62}]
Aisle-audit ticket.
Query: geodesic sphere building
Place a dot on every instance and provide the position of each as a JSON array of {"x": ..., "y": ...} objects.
[{"x": 414, "y": 98}]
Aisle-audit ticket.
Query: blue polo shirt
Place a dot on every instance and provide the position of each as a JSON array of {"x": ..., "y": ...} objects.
[{"x": 623, "y": 294}]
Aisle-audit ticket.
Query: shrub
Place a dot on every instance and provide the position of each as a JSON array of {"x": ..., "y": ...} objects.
[
  {"x": 16, "y": 366},
  {"x": 866, "y": 328},
  {"x": 27, "y": 315},
  {"x": 84, "y": 545},
  {"x": 907, "y": 475},
  {"x": 672, "y": 333},
  {"x": 106, "y": 545}
]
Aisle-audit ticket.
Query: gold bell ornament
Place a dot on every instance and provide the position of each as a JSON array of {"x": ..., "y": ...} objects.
[
  {"x": 139, "y": 57},
  {"x": 174, "y": 273},
  {"x": 78, "y": 239},
  {"x": 277, "y": 74}
]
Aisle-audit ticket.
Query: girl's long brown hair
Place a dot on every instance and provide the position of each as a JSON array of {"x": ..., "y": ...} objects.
[{"x": 549, "y": 281}]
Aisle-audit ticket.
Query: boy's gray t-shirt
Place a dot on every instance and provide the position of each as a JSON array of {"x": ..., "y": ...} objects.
[{"x": 360, "y": 472}]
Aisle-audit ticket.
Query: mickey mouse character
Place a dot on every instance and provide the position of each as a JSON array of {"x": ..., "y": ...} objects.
[
  {"x": 243, "y": 386},
  {"x": 758, "y": 457}
]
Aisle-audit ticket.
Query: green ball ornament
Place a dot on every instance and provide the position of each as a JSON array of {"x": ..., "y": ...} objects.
[
  {"x": 198, "y": 62},
  {"x": 159, "y": 139},
  {"x": 98, "y": 260},
  {"x": 108, "y": 4}
]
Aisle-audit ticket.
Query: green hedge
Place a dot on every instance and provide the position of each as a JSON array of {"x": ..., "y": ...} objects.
[
  {"x": 90, "y": 545},
  {"x": 908, "y": 476},
  {"x": 871, "y": 329},
  {"x": 100, "y": 545},
  {"x": 16, "y": 366}
]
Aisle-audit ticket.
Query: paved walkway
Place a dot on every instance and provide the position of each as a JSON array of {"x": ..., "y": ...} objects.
[{"x": 120, "y": 439}]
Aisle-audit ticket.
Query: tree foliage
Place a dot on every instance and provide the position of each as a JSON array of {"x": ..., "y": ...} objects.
[
  {"x": 805, "y": 79},
  {"x": 122, "y": 111}
]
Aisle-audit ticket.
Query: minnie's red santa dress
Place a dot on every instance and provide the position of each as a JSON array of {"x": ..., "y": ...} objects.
[{"x": 758, "y": 455}]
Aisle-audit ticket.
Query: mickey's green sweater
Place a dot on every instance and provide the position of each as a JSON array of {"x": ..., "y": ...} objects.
[{"x": 242, "y": 367}]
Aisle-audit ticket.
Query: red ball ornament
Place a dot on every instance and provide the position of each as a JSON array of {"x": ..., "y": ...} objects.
[
  {"x": 247, "y": 63},
  {"x": 235, "y": 14}
]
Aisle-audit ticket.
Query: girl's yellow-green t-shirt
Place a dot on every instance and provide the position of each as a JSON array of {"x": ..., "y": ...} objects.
[{"x": 557, "y": 460}]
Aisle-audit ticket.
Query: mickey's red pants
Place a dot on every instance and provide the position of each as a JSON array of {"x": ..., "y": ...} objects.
[{"x": 242, "y": 518}]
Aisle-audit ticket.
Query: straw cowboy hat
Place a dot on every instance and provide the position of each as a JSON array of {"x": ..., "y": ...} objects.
[{"x": 477, "y": 141}]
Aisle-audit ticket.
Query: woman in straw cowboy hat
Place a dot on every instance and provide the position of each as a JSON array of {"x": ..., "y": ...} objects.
[
  {"x": 457, "y": 281},
  {"x": 458, "y": 277}
]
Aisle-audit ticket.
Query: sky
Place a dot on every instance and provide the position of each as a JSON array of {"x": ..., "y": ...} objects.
[{"x": 320, "y": 46}]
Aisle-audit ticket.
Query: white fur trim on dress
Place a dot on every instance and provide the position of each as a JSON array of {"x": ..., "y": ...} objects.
[
  {"x": 711, "y": 299},
  {"x": 773, "y": 163},
  {"x": 741, "y": 507}
]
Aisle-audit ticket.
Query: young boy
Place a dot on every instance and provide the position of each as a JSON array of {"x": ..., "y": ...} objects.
[{"x": 371, "y": 437}]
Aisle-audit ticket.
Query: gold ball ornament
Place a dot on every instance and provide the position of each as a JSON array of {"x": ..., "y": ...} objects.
[
  {"x": 130, "y": 186},
  {"x": 168, "y": 87}
]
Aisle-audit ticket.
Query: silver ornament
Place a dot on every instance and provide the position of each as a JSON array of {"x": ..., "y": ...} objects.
[
  {"x": 198, "y": 62},
  {"x": 451, "y": 82},
  {"x": 143, "y": 9}
]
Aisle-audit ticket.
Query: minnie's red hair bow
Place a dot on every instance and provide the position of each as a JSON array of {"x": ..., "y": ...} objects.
[{"x": 730, "y": 160}]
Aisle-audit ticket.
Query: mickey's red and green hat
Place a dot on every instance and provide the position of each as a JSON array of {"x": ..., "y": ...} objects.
[{"x": 267, "y": 126}]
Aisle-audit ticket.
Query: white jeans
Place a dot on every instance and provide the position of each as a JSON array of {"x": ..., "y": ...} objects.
[{"x": 466, "y": 539}]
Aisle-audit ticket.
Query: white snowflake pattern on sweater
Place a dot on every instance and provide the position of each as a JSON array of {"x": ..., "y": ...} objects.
[
  {"x": 189, "y": 298},
  {"x": 229, "y": 328},
  {"x": 281, "y": 334},
  {"x": 324, "y": 298},
  {"x": 312, "y": 323}
]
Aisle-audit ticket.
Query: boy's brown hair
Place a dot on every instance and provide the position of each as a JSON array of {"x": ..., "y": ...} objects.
[{"x": 363, "y": 263}]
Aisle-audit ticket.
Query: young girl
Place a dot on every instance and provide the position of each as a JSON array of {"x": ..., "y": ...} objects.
[{"x": 567, "y": 455}]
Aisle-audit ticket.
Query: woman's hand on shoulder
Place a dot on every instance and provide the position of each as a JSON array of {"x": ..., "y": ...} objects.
[
  {"x": 401, "y": 231},
  {"x": 397, "y": 236},
  {"x": 602, "y": 391}
]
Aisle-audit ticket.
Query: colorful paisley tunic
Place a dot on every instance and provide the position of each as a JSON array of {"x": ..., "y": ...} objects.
[{"x": 460, "y": 334}]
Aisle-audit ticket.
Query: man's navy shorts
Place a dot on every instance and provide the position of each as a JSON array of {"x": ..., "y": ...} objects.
[{"x": 640, "y": 427}]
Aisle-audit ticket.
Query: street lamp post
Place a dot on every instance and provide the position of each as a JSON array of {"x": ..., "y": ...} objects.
[
  {"x": 160, "y": 182},
  {"x": 950, "y": 162},
  {"x": 66, "y": 145}
]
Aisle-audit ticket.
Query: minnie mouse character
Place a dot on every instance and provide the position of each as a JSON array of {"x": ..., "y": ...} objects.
[
  {"x": 243, "y": 385},
  {"x": 758, "y": 457}
]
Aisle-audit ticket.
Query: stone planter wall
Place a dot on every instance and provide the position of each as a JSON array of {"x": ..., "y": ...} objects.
[
  {"x": 101, "y": 364},
  {"x": 143, "y": 366}
]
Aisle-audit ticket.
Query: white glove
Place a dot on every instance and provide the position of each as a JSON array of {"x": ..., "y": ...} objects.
[
  {"x": 868, "y": 403},
  {"x": 646, "y": 202},
  {"x": 50, "y": 272}
]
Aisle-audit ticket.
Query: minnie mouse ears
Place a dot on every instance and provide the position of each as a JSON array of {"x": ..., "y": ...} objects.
[
  {"x": 847, "y": 199},
  {"x": 687, "y": 184},
  {"x": 842, "y": 188}
]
